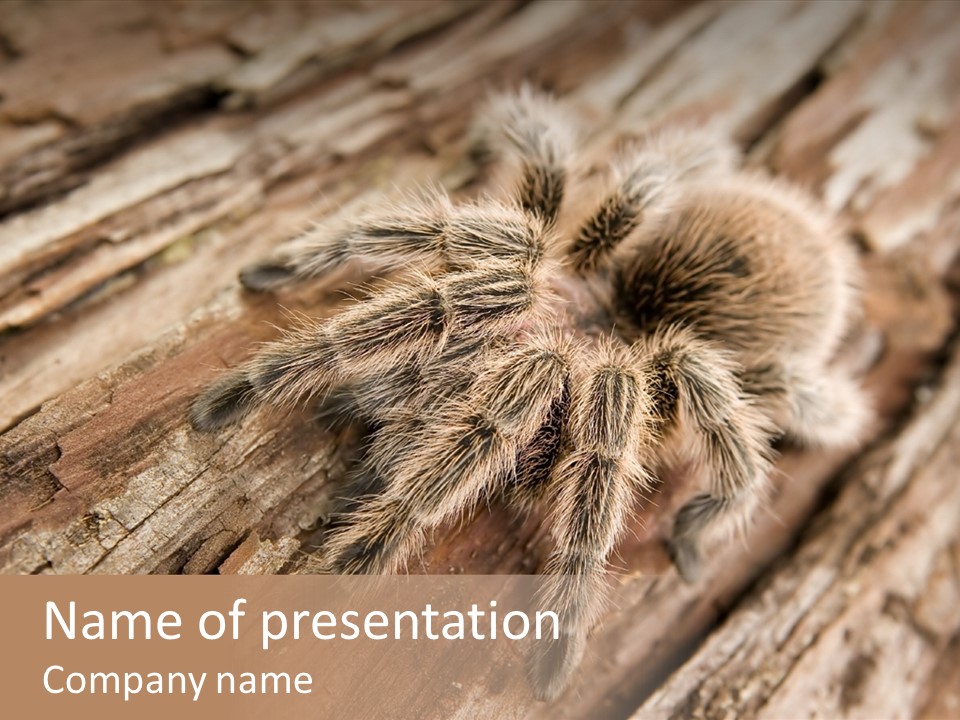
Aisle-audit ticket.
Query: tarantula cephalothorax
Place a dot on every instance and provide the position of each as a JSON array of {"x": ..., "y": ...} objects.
[{"x": 535, "y": 351}]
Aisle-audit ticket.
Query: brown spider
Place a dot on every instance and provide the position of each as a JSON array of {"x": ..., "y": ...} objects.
[{"x": 537, "y": 352}]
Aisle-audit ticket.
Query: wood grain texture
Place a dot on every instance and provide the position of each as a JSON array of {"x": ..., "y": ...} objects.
[{"x": 171, "y": 144}]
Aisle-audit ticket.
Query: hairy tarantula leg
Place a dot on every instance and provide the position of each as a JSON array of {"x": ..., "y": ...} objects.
[
  {"x": 823, "y": 409},
  {"x": 426, "y": 229},
  {"x": 536, "y": 461},
  {"x": 695, "y": 379},
  {"x": 642, "y": 188},
  {"x": 409, "y": 388},
  {"x": 532, "y": 129},
  {"x": 829, "y": 410},
  {"x": 594, "y": 486},
  {"x": 442, "y": 464},
  {"x": 405, "y": 323},
  {"x": 694, "y": 152},
  {"x": 379, "y": 401}
]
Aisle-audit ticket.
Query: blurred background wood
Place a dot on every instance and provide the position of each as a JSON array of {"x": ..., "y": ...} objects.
[{"x": 148, "y": 150}]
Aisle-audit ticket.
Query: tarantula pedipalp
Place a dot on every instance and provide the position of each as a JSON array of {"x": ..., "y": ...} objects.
[{"x": 692, "y": 311}]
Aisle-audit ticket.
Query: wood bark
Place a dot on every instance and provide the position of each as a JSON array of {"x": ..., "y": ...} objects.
[{"x": 150, "y": 150}]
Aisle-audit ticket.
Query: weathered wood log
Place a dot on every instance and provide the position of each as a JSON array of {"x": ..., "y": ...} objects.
[{"x": 131, "y": 200}]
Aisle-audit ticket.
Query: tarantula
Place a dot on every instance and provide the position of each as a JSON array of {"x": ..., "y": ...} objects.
[{"x": 539, "y": 351}]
